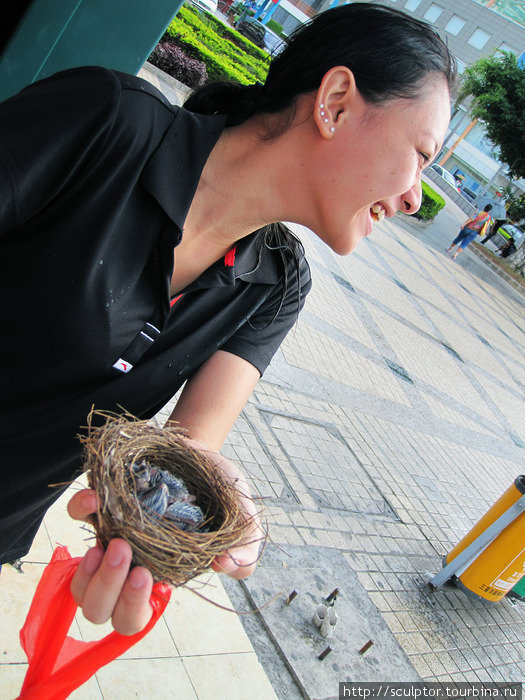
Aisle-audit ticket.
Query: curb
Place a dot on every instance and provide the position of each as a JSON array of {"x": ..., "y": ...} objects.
[
  {"x": 412, "y": 220},
  {"x": 519, "y": 287},
  {"x": 176, "y": 84},
  {"x": 417, "y": 224}
]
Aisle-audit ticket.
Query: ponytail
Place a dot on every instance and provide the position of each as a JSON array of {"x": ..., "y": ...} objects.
[{"x": 241, "y": 102}]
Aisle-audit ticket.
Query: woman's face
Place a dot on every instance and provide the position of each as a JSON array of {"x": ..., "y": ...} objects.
[{"x": 373, "y": 163}]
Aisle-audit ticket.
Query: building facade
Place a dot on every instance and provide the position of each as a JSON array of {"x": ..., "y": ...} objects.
[{"x": 471, "y": 31}]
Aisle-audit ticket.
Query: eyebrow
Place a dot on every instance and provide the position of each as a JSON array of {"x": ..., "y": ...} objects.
[{"x": 431, "y": 136}]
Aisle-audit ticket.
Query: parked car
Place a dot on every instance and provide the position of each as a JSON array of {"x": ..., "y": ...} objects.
[
  {"x": 273, "y": 42},
  {"x": 469, "y": 195},
  {"x": 207, "y": 5},
  {"x": 252, "y": 30},
  {"x": 261, "y": 36},
  {"x": 448, "y": 177}
]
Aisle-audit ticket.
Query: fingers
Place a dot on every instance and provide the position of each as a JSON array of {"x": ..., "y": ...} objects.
[
  {"x": 82, "y": 505},
  {"x": 239, "y": 562},
  {"x": 104, "y": 588},
  {"x": 84, "y": 573},
  {"x": 133, "y": 611},
  {"x": 232, "y": 567}
]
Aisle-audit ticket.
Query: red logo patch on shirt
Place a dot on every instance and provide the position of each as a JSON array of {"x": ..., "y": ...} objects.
[
  {"x": 229, "y": 258},
  {"x": 123, "y": 365}
]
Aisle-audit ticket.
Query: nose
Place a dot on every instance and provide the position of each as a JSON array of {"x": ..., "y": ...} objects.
[{"x": 411, "y": 200}]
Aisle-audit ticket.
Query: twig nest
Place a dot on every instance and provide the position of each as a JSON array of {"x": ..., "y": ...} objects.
[{"x": 135, "y": 468}]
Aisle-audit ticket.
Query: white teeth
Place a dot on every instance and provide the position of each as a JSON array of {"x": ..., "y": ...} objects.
[{"x": 378, "y": 212}]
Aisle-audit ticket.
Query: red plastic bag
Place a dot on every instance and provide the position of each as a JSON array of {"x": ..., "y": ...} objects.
[{"x": 59, "y": 664}]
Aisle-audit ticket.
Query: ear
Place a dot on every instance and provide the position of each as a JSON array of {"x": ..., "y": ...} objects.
[{"x": 335, "y": 97}]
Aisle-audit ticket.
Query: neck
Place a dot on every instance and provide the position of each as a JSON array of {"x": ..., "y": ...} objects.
[{"x": 247, "y": 183}]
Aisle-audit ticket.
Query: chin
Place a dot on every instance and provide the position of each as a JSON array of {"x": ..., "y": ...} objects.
[
  {"x": 345, "y": 245},
  {"x": 345, "y": 248},
  {"x": 344, "y": 240}
]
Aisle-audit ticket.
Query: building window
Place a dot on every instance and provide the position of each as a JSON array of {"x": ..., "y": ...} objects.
[
  {"x": 455, "y": 25},
  {"x": 506, "y": 47},
  {"x": 412, "y": 5},
  {"x": 461, "y": 66},
  {"x": 433, "y": 13},
  {"x": 478, "y": 39}
]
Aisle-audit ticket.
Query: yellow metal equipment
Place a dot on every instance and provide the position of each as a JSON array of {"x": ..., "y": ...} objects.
[{"x": 501, "y": 563}]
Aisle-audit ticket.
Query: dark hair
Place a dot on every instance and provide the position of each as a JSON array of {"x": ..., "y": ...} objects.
[
  {"x": 487, "y": 208},
  {"x": 389, "y": 53}
]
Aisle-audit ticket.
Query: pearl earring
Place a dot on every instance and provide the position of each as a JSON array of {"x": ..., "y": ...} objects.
[
  {"x": 322, "y": 114},
  {"x": 332, "y": 129},
  {"x": 321, "y": 106}
]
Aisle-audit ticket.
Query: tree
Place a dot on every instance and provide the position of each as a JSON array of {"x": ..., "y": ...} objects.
[
  {"x": 497, "y": 87},
  {"x": 515, "y": 204}
]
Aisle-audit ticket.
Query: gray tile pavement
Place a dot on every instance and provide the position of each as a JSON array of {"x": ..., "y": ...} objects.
[{"x": 391, "y": 420}]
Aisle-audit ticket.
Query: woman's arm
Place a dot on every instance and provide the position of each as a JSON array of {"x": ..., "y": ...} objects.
[
  {"x": 207, "y": 408},
  {"x": 103, "y": 585},
  {"x": 213, "y": 398}
]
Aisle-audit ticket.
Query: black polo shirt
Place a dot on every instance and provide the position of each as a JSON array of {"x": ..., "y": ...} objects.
[{"x": 97, "y": 173}]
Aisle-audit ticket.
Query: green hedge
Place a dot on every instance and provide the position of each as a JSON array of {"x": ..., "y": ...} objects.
[
  {"x": 224, "y": 60},
  {"x": 227, "y": 33},
  {"x": 431, "y": 203},
  {"x": 275, "y": 27}
]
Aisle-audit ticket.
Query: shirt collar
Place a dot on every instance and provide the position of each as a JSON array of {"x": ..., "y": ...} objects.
[
  {"x": 250, "y": 260},
  {"x": 172, "y": 173}
]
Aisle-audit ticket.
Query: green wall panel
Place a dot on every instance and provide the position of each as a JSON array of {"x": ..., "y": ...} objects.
[{"x": 55, "y": 35}]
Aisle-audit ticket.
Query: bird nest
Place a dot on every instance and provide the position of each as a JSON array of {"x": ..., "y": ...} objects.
[{"x": 116, "y": 455}]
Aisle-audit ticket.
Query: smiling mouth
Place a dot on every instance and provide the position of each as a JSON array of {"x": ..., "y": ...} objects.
[{"x": 378, "y": 212}]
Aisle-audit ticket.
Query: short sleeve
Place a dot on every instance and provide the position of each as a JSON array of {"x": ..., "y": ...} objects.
[
  {"x": 260, "y": 336},
  {"x": 47, "y": 132}
]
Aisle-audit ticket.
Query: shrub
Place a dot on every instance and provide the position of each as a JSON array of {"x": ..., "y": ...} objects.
[
  {"x": 275, "y": 27},
  {"x": 211, "y": 30},
  {"x": 223, "y": 60},
  {"x": 172, "y": 60},
  {"x": 212, "y": 23},
  {"x": 217, "y": 67},
  {"x": 431, "y": 203}
]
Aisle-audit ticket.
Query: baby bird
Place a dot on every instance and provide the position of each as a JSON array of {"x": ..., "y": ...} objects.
[
  {"x": 141, "y": 476},
  {"x": 177, "y": 489},
  {"x": 185, "y": 516},
  {"x": 155, "y": 500},
  {"x": 162, "y": 494}
]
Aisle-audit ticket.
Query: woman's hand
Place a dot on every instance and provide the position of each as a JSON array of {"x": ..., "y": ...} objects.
[
  {"x": 241, "y": 561},
  {"x": 103, "y": 585}
]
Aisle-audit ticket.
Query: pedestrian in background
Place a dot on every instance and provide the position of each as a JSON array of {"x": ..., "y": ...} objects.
[
  {"x": 499, "y": 216},
  {"x": 471, "y": 228},
  {"x": 507, "y": 248}
]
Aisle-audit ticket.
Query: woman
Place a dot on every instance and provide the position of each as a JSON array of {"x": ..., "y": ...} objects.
[
  {"x": 470, "y": 229},
  {"x": 142, "y": 246}
]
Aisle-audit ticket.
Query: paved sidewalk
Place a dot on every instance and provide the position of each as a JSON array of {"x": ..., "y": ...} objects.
[{"x": 389, "y": 421}]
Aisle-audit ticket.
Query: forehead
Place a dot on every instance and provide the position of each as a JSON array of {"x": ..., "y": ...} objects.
[
  {"x": 433, "y": 96},
  {"x": 426, "y": 115}
]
